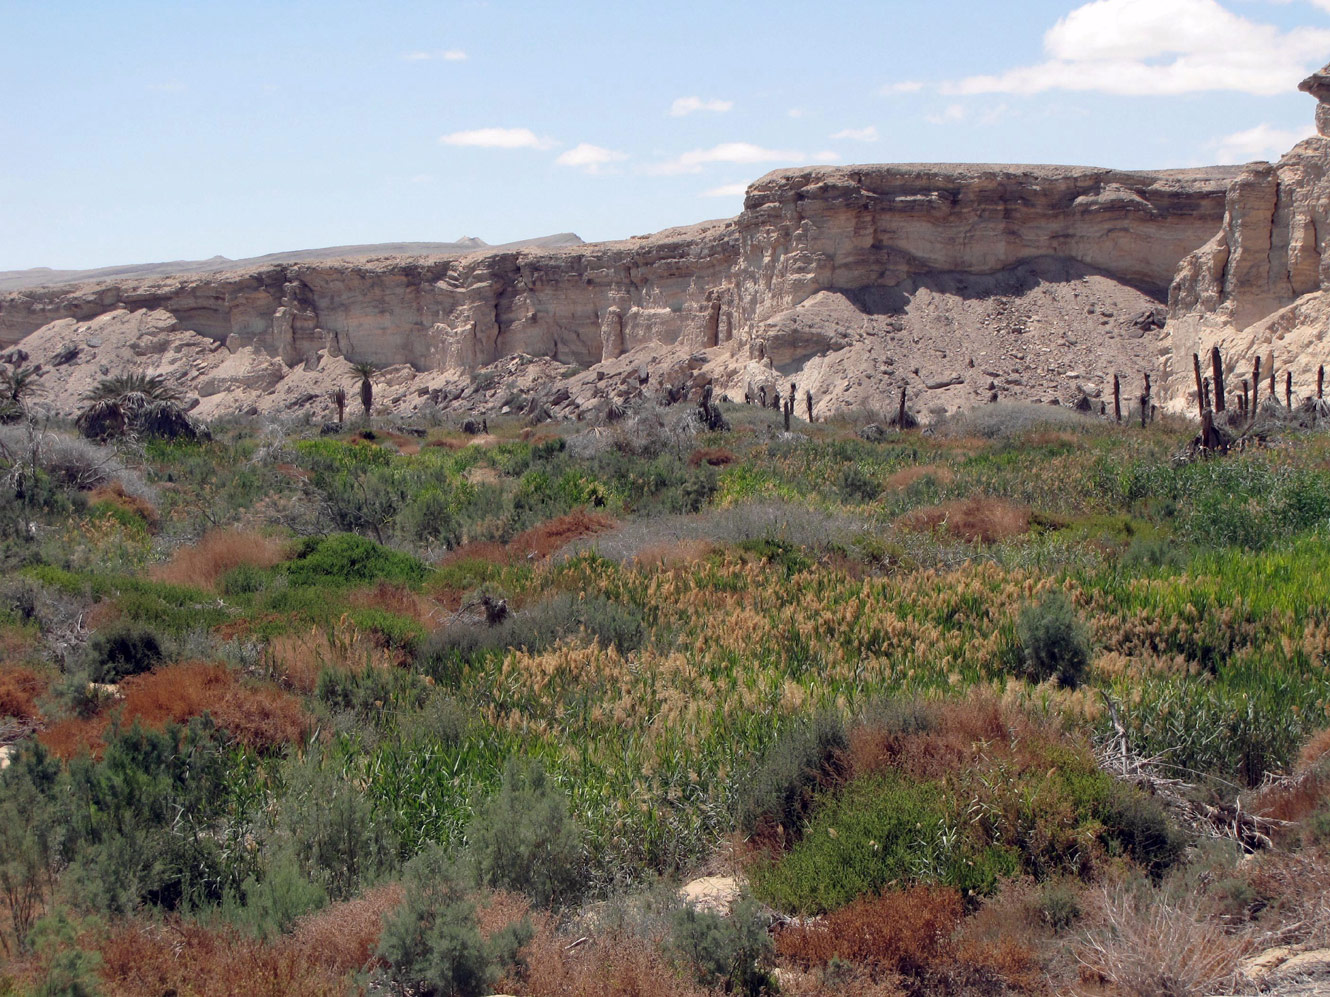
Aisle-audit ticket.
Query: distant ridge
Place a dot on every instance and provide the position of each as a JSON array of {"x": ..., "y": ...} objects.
[{"x": 16, "y": 280}]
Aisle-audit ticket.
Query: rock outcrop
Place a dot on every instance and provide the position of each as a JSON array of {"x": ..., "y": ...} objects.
[
  {"x": 981, "y": 281},
  {"x": 1261, "y": 285}
]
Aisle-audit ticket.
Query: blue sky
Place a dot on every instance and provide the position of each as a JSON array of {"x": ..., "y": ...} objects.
[{"x": 139, "y": 131}]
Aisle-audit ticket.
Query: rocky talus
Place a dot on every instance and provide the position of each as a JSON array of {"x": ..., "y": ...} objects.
[
  {"x": 1260, "y": 287},
  {"x": 962, "y": 283}
]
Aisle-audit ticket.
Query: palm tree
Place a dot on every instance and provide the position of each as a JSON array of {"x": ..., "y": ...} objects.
[
  {"x": 137, "y": 403},
  {"x": 365, "y": 370},
  {"x": 338, "y": 397},
  {"x": 16, "y": 383}
]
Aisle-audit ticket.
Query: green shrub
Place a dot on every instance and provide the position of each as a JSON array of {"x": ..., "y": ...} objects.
[
  {"x": 523, "y": 838},
  {"x": 432, "y": 943},
  {"x": 775, "y": 795},
  {"x": 245, "y": 579},
  {"x": 350, "y": 559},
  {"x": 1138, "y": 825},
  {"x": 1053, "y": 642},
  {"x": 856, "y": 486},
  {"x": 269, "y": 906},
  {"x": 430, "y": 517},
  {"x": 69, "y": 970},
  {"x": 123, "y": 649},
  {"x": 1058, "y": 904},
  {"x": 729, "y": 952}
]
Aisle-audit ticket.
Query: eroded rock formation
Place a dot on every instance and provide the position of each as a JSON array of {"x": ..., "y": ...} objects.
[
  {"x": 1261, "y": 285},
  {"x": 983, "y": 280}
]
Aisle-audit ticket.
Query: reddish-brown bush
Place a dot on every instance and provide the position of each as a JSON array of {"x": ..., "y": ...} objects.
[
  {"x": 902, "y": 931},
  {"x": 545, "y": 539},
  {"x": 974, "y": 519},
  {"x": 263, "y": 718},
  {"x": 342, "y": 937},
  {"x": 607, "y": 966},
  {"x": 714, "y": 456},
  {"x": 296, "y": 660},
  {"x": 202, "y": 564},
  {"x": 675, "y": 553},
  {"x": 174, "y": 694},
  {"x": 114, "y": 494},
  {"x": 19, "y": 690},
  {"x": 143, "y": 959},
  {"x": 68, "y": 738},
  {"x": 401, "y": 601}
]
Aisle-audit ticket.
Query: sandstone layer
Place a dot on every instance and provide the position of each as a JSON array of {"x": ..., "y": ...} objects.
[
  {"x": 961, "y": 282},
  {"x": 1261, "y": 286}
]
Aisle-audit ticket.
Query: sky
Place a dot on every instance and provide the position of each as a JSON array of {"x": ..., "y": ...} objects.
[{"x": 141, "y": 131}]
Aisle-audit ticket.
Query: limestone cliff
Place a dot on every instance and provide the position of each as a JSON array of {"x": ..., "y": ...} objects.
[
  {"x": 850, "y": 279},
  {"x": 1261, "y": 285}
]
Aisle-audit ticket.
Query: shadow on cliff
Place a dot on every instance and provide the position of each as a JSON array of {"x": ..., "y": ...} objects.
[{"x": 1011, "y": 282}]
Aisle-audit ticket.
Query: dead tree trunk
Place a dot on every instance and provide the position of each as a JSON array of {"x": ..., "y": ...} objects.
[
  {"x": 1200, "y": 387},
  {"x": 1274, "y": 388},
  {"x": 1117, "y": 398},
  {"x": 1288, "y": 388},
  {"x": 1256, "y": 386},
  {"x": 1320, "y": 381},
  {"x": 900, "y": 412},
  {"x": 808, "y": 404},
  {"x": 1217, "y": 367}
]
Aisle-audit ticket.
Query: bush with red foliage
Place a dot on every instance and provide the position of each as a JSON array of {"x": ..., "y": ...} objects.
[
  {"x": 903, "y": 931},
  {"x": 19, "y": 690},
  {"x": 200, "y": 565},
  {"x": 341, "y": 938},
  {"x": 978, "y": 520},
  {"x": 714, "y": 456}
]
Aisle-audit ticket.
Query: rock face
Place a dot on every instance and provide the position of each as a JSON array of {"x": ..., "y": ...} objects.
[
  {"x": 1259, "y": 286},
  {"x": 846, "y": 280}
]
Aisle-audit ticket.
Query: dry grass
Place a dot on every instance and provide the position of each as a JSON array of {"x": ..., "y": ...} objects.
[
  {"x": 536, "y": 543},
  {"x": 341, "y": 938},
  {"x": 1156, "y": 948},
  {"x": 608, "y": 966},
  {"x": 143, "y": 959},
  {"x": 113, "y": 493},
  {"x": 400, "y": 601},
  {"x": 20, "y": 689},
  {"x": 263, "y": 718},
  {"x": 669, "y": 555},
  {"x": 200, "y": 565},
  {"x": 978, "y": 520},
  {"x": 296, "y": 660},
  {"x": 907, "y": 476}
]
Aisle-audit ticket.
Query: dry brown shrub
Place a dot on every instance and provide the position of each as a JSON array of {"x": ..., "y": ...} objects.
[
  {"x": 978, "y": 520},
  {"x": 113, "y": 493},
  {"x": 15, "y": 642},
  {"x": 142, "y": 959},
  {"x": 19, "y": 691},
  {"x": 102, "y": 614},
  {"x": 545, "y": 539},
  {"x": 341, "y": 938},
  {"x": 715, "y": 456},
  {"x": 174, "y": 694},
  {"x": 1004, "y": 937},
  {"x": 219, "y": 551},
  {"x": 447, "y": 442},
  {"x": 1295, "y": 887},
  {"x": 905, "y": 931},
  {"x": 400, "y": 601},
  {"x": 262, "y": 718},
  {"x": 907, "y": 476},
  {"x": 478, "y": 550}
]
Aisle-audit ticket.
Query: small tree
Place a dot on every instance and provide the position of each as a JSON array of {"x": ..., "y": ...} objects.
[
  {"x": 134, "y": 403},
  {"x": 338, "y": 397},
  {"x": 1053, "y": 642},
  {"x": 365, "y": 371},
  {"x": 16, "y": 384}
]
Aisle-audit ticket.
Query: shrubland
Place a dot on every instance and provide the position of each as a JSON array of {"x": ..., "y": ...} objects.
[{"x": 286, "y": 711}]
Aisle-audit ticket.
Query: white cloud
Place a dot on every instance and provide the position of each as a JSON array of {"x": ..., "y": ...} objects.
[
  {"x": 726, "y": 152},
  {"x": 826, "y": 156},
  {"x": 948, "y": 115},
  {"x": 498, "y": 138},
  {"x": 726, "y": 190},
  {"x": 590, "y": 158},
  {"x": 1161, "y": 47},
  {"x": 1262, "y": 142},
  {"x": 687, "y": 105},
  {"x": 447, "y": 55},
  {"x": 795, "y": 112},
  {"x": 868, "y": 134},
  {"x": 904, "y": 86}
]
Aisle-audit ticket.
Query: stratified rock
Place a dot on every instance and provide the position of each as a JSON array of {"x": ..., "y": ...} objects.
[{"x": 1259, "y": 286}]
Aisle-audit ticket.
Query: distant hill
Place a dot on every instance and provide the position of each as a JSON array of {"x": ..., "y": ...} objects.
[{"x": 14, "y": 280}]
